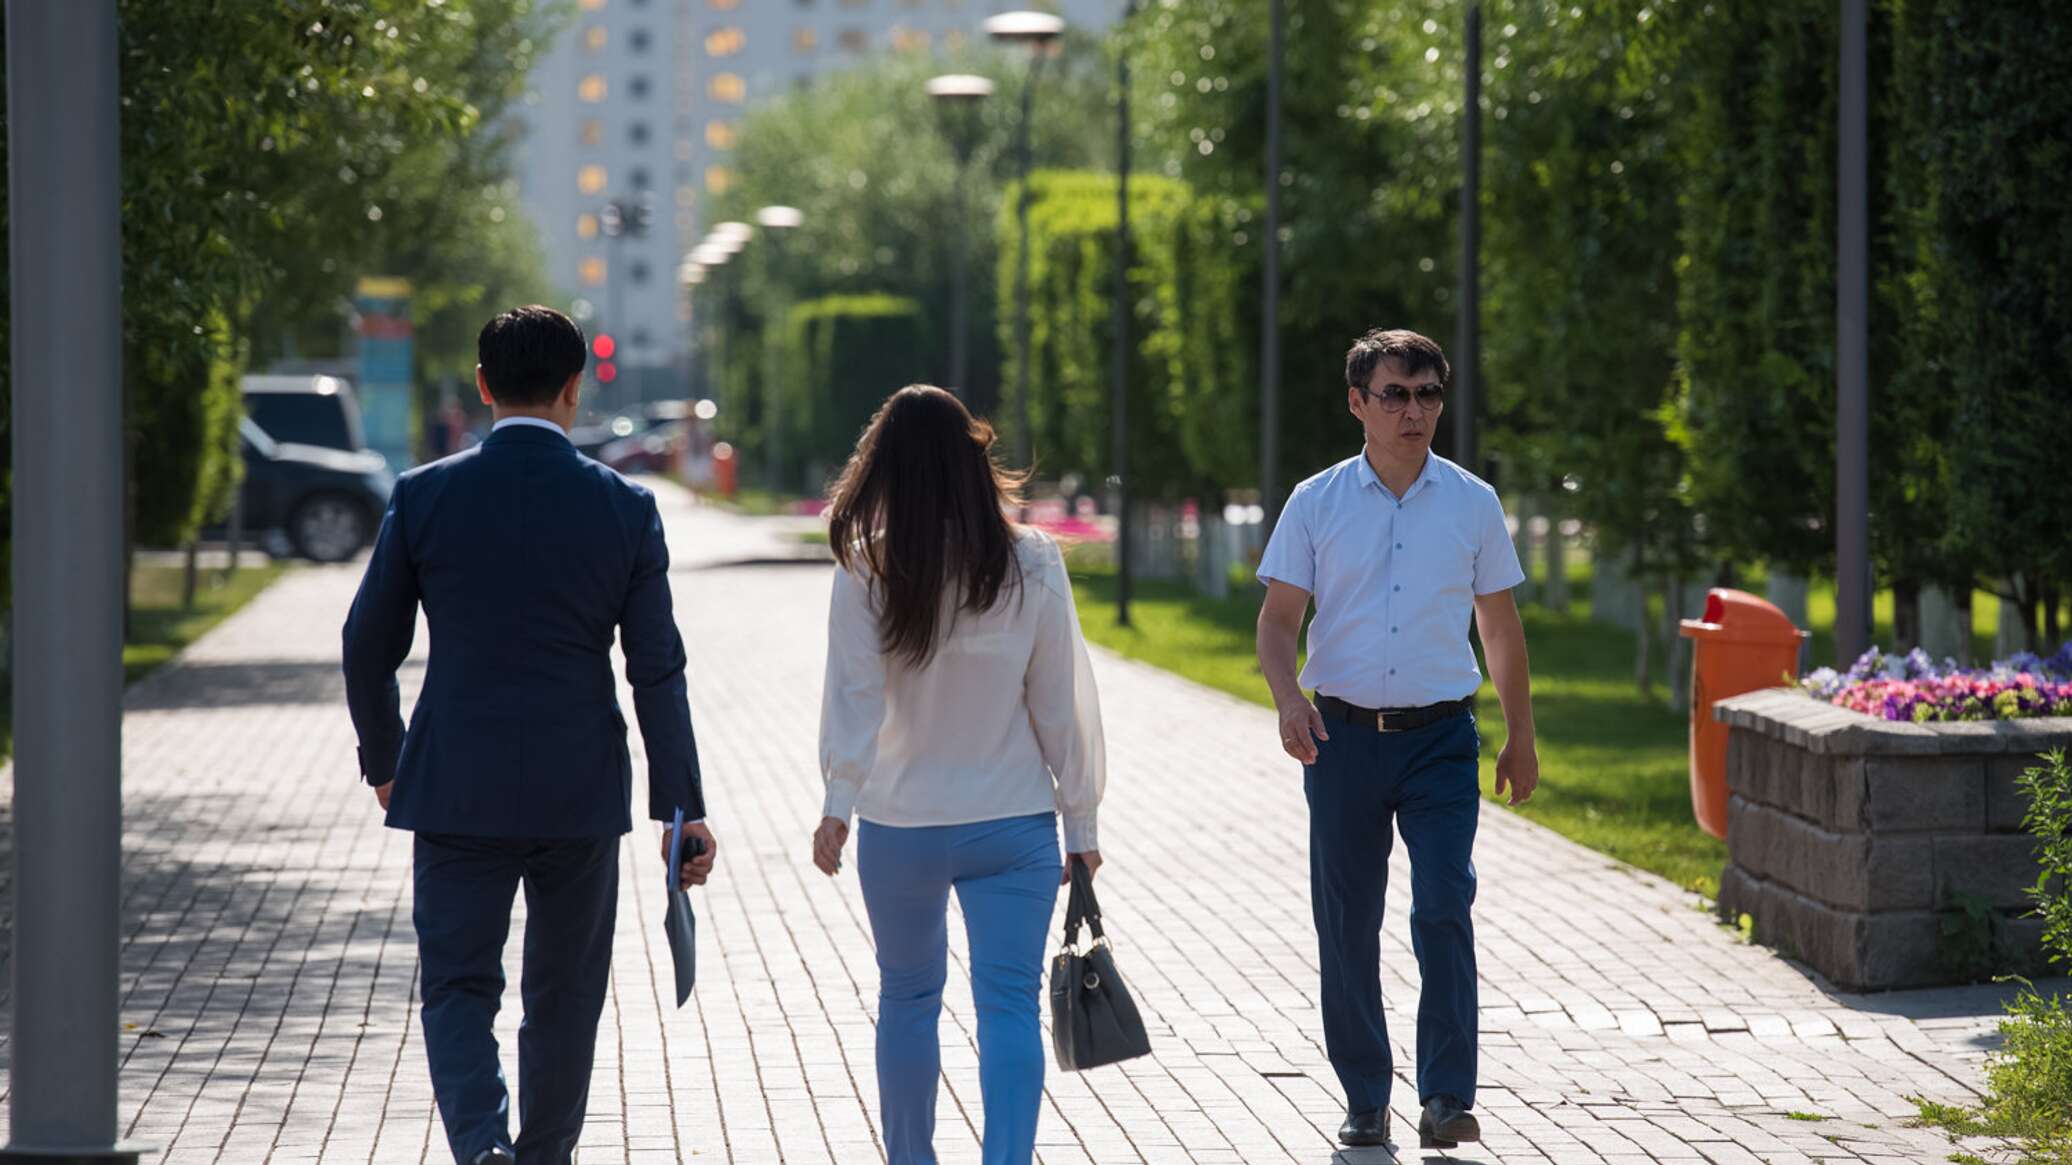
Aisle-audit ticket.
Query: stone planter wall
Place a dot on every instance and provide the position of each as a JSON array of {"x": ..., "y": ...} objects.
[{"x": 1852, "y": 840}]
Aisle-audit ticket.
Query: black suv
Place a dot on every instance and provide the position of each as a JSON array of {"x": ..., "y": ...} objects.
[{"x": 327, "y": 501}]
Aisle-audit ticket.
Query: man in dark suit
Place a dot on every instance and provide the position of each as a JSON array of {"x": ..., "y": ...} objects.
[{"x": 526, "y": 557}]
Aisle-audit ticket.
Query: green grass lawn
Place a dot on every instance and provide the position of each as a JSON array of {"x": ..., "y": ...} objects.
[
  {"x": 160, "y": 627},
  {"x": 1613, "y": 764}
]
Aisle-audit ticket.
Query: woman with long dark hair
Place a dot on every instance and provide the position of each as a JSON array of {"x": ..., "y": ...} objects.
[{"x": 959, "y": 721}]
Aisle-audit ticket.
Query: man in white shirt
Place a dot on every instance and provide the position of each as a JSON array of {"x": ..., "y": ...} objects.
[{"x": 1398, "y": 546}]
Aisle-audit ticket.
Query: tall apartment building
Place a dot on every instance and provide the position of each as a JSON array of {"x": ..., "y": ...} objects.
[{"x": 640, "y": 102}]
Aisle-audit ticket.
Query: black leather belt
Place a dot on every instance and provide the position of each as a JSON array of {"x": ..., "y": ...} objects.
[{"x": 1393, "y": 719}]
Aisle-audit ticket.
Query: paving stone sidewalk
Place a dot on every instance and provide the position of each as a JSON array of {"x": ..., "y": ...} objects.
[{"x": 269, "y": 1013}]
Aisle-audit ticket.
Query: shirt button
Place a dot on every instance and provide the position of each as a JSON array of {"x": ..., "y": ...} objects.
[
  {"x": 1399, "y": 546},
  {"x": 1392, "y": 671},
  {"x": 1399, "y": 586},
  {"x": 1393, "y": 630}
]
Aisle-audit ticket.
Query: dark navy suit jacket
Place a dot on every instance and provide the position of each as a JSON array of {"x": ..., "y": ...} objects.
[{"x": 527, "y": 557}]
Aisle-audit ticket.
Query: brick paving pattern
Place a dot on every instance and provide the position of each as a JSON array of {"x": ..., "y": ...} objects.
[{"x": 269, "y": 1007}]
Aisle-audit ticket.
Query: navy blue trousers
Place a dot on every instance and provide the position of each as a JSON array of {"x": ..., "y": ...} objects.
[
  {"x": 463, "y": 892},
  {"x": 1424, "y": 782}
]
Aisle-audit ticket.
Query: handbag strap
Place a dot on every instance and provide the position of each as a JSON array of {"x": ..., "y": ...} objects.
[{"x": 1082, "y": 906}]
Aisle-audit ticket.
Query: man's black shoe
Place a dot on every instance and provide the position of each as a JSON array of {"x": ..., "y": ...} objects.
[
  {"x": 1365, "y": 1128},
  {"x": 495, "y": 1155},
  {"x": 1445, "y": 1124}
]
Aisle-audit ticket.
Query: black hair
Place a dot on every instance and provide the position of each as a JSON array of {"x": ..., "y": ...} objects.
[
  {"x": 528, "y": 353},
  {"x": 1414, "y": 352}
]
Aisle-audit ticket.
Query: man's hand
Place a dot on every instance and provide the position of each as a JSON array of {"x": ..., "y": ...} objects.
[
  {"x": 695, "y": 871},
  {"x": 1518, "y": 769},
  {"x": 827, "y": 845},
  {"x": 1301, "y": 727},
  {"x": 1091, "y": 857},
  {"x": 381, "y": 794}
]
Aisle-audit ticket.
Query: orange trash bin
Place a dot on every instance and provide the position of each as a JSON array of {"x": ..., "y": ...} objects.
[{"x": 1741, "y": 645}]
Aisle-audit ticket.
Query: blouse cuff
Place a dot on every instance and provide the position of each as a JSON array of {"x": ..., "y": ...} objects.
[
  {"x": 1080, "y": 836},
  {"x": 841, "y": 801}
]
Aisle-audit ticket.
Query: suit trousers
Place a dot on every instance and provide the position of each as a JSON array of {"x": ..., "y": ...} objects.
[
  {"x": 1422, "y": 782},
  {"x": 463, "y": 889},
  {"x": 1005, "y": 873}
]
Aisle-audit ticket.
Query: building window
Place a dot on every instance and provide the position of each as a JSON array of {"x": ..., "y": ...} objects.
[
  {"x": 641, "y": 338},
  {"x": 718, "y": 179},
  {"x": 592, "y": 88},
  {"x": 719, "y": 135},
  {"x": 853, "y": 40},
  {"x": 639, "y": 274},
  {"x": 804, "y": 41},
  {"x": 592, "y": 5},
  {"x": 638, "y": 86},
  {"x": 640, "y": 178},
  {"x": 640, "y": 40},
  {"x": 725, "y": 42},
  {"x": 686, "y": 198},
  {"x": 590, "y": 179},
  {"x": 856, "y": 3},
  {"x": 953, "y": 39},
  {"x": 592, "y": 132},
  {"x": 722, "y": 5},
  {"x": 595, "y": 38},
  {"x": 910, "y": 40},
  {"x": 586, "y": 225},
  {"x": 591, "y": 270},
  {"x": 638, "y": 133},
  {"x": 727, "y": 87}
]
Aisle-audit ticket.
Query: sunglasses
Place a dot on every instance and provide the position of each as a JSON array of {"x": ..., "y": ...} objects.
[{"x": 1395, "y": 398}]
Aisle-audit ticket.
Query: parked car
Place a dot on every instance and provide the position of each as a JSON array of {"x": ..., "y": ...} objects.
[
  {"x": 327, "y": 501},
  {"x": 305, "y": 409},
  {"x": 654, "y": 450}
]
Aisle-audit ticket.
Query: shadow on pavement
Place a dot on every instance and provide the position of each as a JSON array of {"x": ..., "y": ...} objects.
[{"x": 244, "y": 684}]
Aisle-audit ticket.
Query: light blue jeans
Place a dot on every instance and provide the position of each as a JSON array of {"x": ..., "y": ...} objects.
[{"x": 1006, "y": 876}]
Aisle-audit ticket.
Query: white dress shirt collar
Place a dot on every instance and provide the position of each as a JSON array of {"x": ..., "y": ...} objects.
[{"x": 539, "y": 422}]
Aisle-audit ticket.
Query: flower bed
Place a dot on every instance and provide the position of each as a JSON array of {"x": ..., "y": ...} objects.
[{"x": 1916, "y": 689}]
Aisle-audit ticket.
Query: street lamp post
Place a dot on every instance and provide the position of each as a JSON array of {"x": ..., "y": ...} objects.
[
  {"x": 775, "y": 221},
  {"x": 1038, "y": 31},
  {"x": 1852, "y": 347},
  {"x": 1467, "y": 344},
  {"x": 1121, "y": 455},
  {"x": 65, "y": 267},
  {"x": 1270, "y": 280},
  {"x": 957, "y": 97}
]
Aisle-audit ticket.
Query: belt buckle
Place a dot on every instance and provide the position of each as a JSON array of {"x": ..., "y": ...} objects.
[{"x": 1381, "y": 723}]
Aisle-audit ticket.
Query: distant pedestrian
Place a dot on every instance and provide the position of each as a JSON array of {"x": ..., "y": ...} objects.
[
  {"x": 1399, "y": 547},
  {"x": 960, "y": 722},
  {"x": 529, "y": 560}
]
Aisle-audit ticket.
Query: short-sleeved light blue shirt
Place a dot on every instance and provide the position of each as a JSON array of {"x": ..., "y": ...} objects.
[{"x": 1394, "y": 579}]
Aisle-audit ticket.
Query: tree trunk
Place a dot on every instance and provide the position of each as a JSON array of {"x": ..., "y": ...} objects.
[
  {"x": 1642, "y": 661},
  {"x": 187, "y": 574},
  {"x": 1965, "y": 617},
  {"x": 1673, "y": 644},
  {"x": 1906, "y": 614},
  {"x": 1556, "y": 594},
  {"x": 2052, "y": 629}
]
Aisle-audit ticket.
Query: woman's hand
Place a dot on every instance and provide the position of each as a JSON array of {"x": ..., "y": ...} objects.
[
  {"x": 827, "y": 845},
  {"x": 1091, "y": 857}
]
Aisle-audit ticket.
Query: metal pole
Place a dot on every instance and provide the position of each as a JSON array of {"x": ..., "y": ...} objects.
[
  {"x": 1467, "y": 345},
  {"x": 1852, "y": 350},
  {"x": 1121, "y": 422},
  {"x": 1270, "y": 315},
  {"x": 1025, "y": 443},
  {"x": 773, "y": 392},
  {"x": 960, "y": 261},
  {"x": 64, "y": 198}
]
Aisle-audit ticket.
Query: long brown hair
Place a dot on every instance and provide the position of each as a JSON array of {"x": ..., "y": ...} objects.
[{"x": 919, "y": 509}]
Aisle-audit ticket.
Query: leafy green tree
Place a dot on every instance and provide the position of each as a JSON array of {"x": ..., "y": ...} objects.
[
  {"x": 862, "y": 154},
  {"x": 1981, "y": 166}
]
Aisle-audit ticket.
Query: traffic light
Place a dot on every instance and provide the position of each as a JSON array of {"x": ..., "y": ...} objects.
[
  {"x": 607, "y": 372},
  {"x": 603, "y": 346}
]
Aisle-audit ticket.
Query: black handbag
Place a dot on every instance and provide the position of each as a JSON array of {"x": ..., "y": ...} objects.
[{"x": 1093, "y": 1020}]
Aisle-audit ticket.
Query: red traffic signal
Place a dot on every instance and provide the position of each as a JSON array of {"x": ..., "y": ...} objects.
[
  {"x": 604, "y": 346},
  {"x": 607, "y": 372}
]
